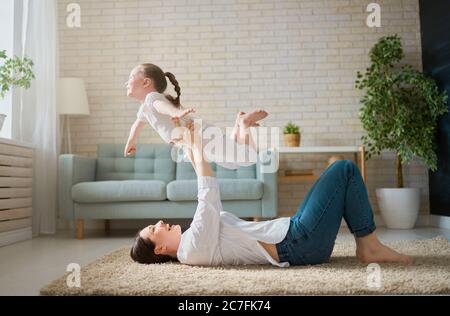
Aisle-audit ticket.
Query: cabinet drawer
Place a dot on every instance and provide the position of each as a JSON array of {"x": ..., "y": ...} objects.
[
  {"x": 15, "y": 213},
  {"x": 16, "y": 161},
  {"x": 10, "y": 150},
  {"x": 15, "y": 192},
  {"x": 15, "y": 203},
  {"x": 13, "y": 171},
  {"x": 15, "y": 224},
  {"x": 15, "y": 182}
]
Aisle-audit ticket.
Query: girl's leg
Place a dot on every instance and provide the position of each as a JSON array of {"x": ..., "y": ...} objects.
[
  {"x": 235, "y": 132},
  {"x": 243, "y": 153},
  {"x": 241, "y": 133}
]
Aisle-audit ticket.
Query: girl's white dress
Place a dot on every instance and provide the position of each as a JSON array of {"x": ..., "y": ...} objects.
[{"x": 216, "y": 145}]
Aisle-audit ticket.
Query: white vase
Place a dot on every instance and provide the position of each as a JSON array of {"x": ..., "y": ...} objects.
[
  {"x": 399, "y": 206},
  {"x": 2, "y": 120}
]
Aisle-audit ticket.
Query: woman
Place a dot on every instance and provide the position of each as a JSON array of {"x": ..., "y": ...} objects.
[{"x": 216, "y": 237}]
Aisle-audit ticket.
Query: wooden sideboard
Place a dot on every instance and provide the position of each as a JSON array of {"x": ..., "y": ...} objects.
[
  {"x": 355, "y": 150},
  {"x": 358, "y": 152},
  {"x": 16, "y": 183}
]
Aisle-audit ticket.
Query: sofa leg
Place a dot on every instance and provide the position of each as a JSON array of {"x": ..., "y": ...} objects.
[
  {"x": 256, "y": 219},
  {"x": 107, "y": 226},
  {"x": 80, "y": 228}
]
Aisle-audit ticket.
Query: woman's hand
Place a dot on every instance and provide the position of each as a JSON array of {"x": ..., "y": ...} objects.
[
  {"x": 191, "y": 137},
  {"x": 185, "y": 135}
]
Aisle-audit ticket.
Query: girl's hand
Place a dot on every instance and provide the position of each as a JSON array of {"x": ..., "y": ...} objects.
[
  {"x": 130, "y": 148},
  {"x": 183, "y": 113}
]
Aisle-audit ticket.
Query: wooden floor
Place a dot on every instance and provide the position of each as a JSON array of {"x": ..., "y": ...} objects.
[{"x": 27, "y": 266}]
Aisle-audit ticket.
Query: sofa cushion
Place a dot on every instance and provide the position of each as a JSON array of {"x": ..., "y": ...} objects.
[
  {"x": 184, "y": 171},
  {"x": 119, "y": 191},
  {"x": 150, "y": 162},
  {"x": 230, "y": 189}
]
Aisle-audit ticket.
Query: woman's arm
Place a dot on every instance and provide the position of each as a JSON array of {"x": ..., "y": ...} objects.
[
  {"x": 194, "y": 149},
  {"x": 201, "y": 165}
]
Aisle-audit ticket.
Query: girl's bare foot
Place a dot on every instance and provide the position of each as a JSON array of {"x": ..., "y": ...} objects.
[
  {"x": 235, "y": 132},
  {"x": 250, "y": 119},
  {"x": 374, "y": 251}
]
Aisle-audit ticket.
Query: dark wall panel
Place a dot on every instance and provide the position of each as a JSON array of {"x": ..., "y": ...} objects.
[{"x": 435, "y": 32}]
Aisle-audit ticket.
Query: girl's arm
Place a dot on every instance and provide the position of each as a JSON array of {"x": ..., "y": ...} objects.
[
  {"x": 169, "y": 109},
  {"x": 135, "y": 131}
]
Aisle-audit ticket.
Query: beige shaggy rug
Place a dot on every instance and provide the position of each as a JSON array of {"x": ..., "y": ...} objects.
[{"x": 117, "y": 274}]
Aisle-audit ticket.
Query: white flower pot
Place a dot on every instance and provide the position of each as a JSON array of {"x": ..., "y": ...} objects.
[
  {"x": 399, "y": 206},
  {"x": 2, "y": 120}
]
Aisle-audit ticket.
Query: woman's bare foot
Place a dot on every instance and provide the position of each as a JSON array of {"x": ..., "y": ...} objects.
[
  {"x": 369, "y": 249},
  {"x": 250, "y": 119}
]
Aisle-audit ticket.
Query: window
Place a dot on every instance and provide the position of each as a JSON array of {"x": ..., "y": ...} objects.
[{"x": 6, "y": 43}]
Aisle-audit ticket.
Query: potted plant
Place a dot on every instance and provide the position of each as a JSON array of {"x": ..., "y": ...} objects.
[
  {"x": 399, "y": 111},
  {"x": 14, "y": 72},
  {"x": 291, "y": 135}
]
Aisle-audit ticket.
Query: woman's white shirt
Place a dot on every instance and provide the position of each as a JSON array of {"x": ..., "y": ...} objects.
[{"x": 216, "y": 237}]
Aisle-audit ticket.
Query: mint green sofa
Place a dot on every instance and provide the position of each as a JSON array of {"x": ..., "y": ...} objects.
[{"x": 150, "y": 184}]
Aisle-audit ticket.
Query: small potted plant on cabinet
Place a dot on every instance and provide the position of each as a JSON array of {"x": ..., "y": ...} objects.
[{"x": 291, "y": 135}]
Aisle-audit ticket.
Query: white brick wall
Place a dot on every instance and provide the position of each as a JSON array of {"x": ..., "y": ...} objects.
[{"x": 297, "y": 59}]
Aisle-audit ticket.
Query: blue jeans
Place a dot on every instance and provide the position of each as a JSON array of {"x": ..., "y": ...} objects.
[{"x": 338, "y": 193}]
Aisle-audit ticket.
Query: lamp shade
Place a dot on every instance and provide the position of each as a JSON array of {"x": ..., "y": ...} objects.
[{"x": 71, "y": 97}]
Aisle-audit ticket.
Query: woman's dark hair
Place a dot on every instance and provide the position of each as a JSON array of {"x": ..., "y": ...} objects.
[
  {"x": 159, "y": 78},
  {"x": 143, "y": 251}
]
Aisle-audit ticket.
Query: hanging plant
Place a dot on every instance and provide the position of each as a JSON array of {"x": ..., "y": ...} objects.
[{"x": 14, "y": 72}]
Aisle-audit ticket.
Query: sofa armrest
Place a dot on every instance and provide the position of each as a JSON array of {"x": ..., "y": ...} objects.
[
  {"x": 267, "y": 172},
  {"x": 72, "y": 170}
]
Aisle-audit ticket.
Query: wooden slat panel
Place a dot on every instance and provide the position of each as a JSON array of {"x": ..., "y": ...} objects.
[
  {"x": 15, "y": 203},
  {"x": 10, "y": 150},
  {"x": 15, "y": 213},
  {"x": 11, "y": 182},
  {"x": 16, "y": 171},
  {"x": 297, "y": 178},
  {"x": 14, "y": 224},
  {"x": 15, "y": 192},
  {"x": 16, "y": 161}
]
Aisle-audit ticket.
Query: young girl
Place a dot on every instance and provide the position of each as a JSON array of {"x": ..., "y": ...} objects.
[{"x": 147, "y": 82}]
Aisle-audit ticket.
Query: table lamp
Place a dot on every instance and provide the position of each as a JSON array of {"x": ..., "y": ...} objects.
[{"x": 72, "y": 101}]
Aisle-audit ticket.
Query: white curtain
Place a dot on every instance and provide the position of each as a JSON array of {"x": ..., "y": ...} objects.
[{"x": 37, "y": 119}]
